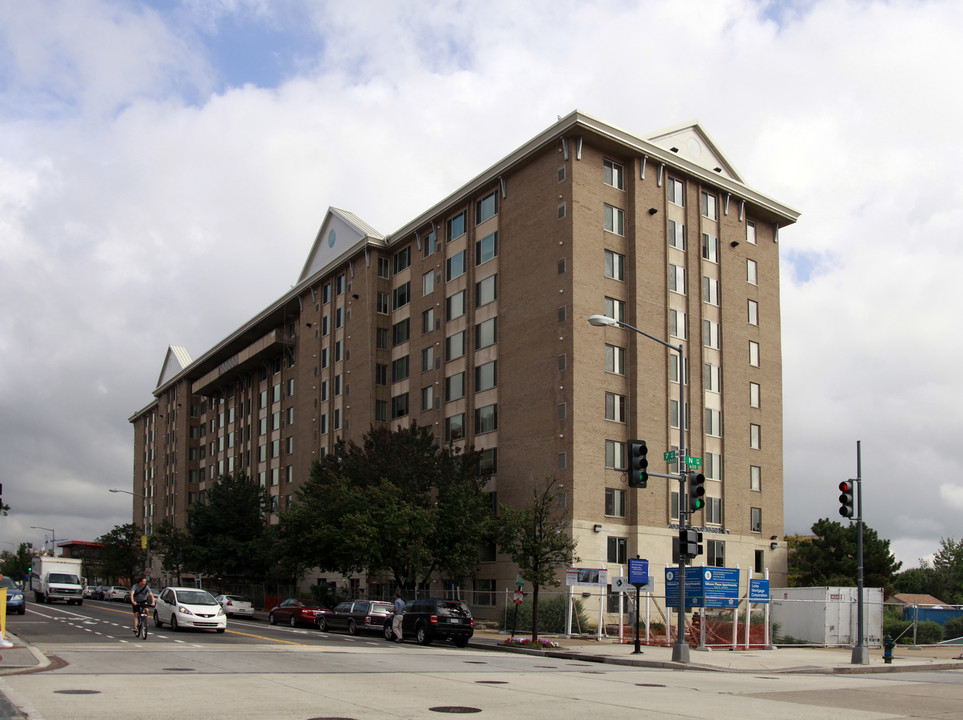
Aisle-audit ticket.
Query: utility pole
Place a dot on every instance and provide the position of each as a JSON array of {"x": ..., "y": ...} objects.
[{"x": 860, "y": 651}]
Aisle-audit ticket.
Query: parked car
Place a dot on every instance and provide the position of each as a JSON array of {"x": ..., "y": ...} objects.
[
  {"x": 15, "y": 600},
  {"x": 182, "y": 607},
  {"x": 116, "y": 593},
  {"x": 90, "y": 591},
  {"x": 295, "y": 612},
  {"x": 428, "y": 620},
  {"x": 356, "y": 616},
  {"x": 235, "y": 605}
]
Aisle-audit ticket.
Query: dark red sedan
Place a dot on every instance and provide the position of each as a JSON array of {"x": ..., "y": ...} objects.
[{"x": 295, "y": 612}]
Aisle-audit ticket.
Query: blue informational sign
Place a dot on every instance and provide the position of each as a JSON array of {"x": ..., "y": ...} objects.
[
  {"x": 704, "y": 587},
  {"x": 758, "y": 590},
  {"x": 638, "y": 572}
]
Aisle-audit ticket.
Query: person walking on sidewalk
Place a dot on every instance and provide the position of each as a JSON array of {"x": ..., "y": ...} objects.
[{"x": 397, "y": 617}]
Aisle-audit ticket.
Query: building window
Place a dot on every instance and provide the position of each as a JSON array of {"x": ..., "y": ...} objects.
[
  {"x": 753, "y": 312},
  {"x": 428, "y": 283},
  {"x": 712, "y": 467},
  {"x": 486, "y": 419},
  {"x": 755, "y": 439},
  {"x": 427, "y": 398},
  {"x": 713, "y": 378},
  {"x": 384, "y": 308},
  {"x": 488, "y": 462},
  {"x": 755, "y": 520},
  {"x": 455, "y": 305},
  {"x": 455, "y": 387},
  {"x": 612, "y": 174},
  {"x": 760, "y": 561},
  {"x": 399, "y": 369},
  {"x": 710, "y": 247},
  {"x": 752, "y": 276},
  {"x": 713, "y": 511},
  {"x": 486, "y": 333},
  {"x": 674, "y": 505},
  {"x": 755, "y": 478},
  {"x": 713, "y": 422},
  {"x": 456, "y": 226},
  {"x": 676, "y": 235},
  {"x": 753, "y": 394},
  {"x": 486, "y": 376},
  {"x": 716, "y": 553},
  {"x": 428, "y": 320},
  {"x": 561, "y": 461},
  {"x": 615, "y": 407},
  {"x": 455, "y": 346},
  {"x": 486, "y": 208},
  {"x": 750, "y": 232},
  {"x": 384, "y": 271},
  {"x": 561, "y": 314},
  {"x": 617, "y": 550},
  {"x": 339, "y": 283},
  {"x": 430, "y": 244},
  {"x": 615, "y": 309},
  {"x": 677, "y": 324},
  {"x": 676, "y": 192},
  {"x": 455, "y": 427},
  {"x": 615, "y": 454},
  {"x": 455, "y": 266},
  {"x": 560, "y": 211},
  {"x": 614, "y": 502},
  {"x": 400, "y": 332},
  {"x": 401, "y": 296},
  {"x": 614, "y": 265},
  {"x": 615, "y": 359},
  {"x": 399, "y": 406},
  {"x": 486, "y": 249},
  {"x": 614, "y": 220},
  {"x": 674, "y": 414},
  {"x": 674, "y": 369},
  {"x": 428, "y": 359},
  {"x": 484, "y": 592},
  {"x": 486, "y": 290},
  {"x": 381, "y": 374},
  {"x": 711, "y": 334},
  {"x": 677, "y": 279},
  {"x": 381, "y": 338},
  {"x": 402, "y": 260},
  {"x": 754, "y": 353},
  {"x": 709, "y": 205},
  {"x": 710, "y": 290}
]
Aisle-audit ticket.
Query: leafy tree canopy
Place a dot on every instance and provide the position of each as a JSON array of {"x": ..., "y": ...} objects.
[
  {"x": 121, "y": 556},
  {"x": 829, "y": 557},
  {"x": 16, "y": 565}
]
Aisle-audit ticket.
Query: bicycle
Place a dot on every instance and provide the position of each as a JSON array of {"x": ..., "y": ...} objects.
[{"x": 142, "y": 620}]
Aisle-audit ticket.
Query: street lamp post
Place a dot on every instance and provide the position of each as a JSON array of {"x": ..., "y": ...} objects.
[
  {"x": 680, "y": 651},
  {"x": 53, "y": 537},
  {"x": 146, "y": 535}
]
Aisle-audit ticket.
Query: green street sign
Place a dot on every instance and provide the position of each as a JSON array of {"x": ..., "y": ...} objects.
[
  {"x": 693, "y": 461},
  {"x": 669, "y": 456}
]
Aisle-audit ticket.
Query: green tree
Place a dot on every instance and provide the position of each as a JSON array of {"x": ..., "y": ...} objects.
[
  {"x": 173, "y": 545},
  {"x": 537, "y": 539},
  {"x": 122, "y": 556},
  {"x": 829, "y": 557},
  {"x": 948, "y": 569},
  {"x": 16, "y": 565},
  {"x": 921, "y": 580},
  {"x": 229, "y": 533},
  {"x": 396, "y": 504}
]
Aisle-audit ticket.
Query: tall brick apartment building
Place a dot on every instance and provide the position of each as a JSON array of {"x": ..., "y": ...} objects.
[{"x": 472, "y": 319}]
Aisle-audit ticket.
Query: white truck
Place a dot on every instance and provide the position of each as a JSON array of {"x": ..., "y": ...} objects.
[{"x": 56, "y": 578}]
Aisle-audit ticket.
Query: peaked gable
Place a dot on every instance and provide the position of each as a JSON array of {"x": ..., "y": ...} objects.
[
  {"x": 341, "y": 231},
  {"x": 177, "y": 359},
  {"x": 691, "y": 142}
]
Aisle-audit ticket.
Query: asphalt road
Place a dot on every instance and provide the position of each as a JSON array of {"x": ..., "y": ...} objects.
[{"x": 100, "y": 670}]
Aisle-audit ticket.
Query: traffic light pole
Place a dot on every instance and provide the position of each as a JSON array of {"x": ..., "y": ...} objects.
[{"x": 860, "y": 651}]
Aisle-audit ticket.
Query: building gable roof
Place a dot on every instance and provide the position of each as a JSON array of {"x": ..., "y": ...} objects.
[
  {"x": 177, "y": 359},
  {"x": 691, "y": 142},
  {"x": 340, "y": 232},
  {"x": 917, "y": 599}
]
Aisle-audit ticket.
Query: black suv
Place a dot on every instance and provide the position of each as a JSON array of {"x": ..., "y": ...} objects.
[{"x": 427, "y": 620}]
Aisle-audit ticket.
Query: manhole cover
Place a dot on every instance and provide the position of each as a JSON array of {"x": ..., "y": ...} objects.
[
  {"x": 455, "y": 709},
  {"x": 648, "y": 685},
  {"x": 330, "y": 718},
  {"x": 178, "y": 669},
  {"x": 476, "y": 662},
  {"x": 550, "y": 667},
  {"x": 492, "y": 682},
  {"x": 78, "y": 692}
]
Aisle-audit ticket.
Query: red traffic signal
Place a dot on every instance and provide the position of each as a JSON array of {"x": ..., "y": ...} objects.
[{"x": 846, "y": 498}]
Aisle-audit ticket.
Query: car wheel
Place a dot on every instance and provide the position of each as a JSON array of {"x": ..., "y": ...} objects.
[
  {"x": 294, "y": 621},
  {"x": 352, "y": 627},
  {"x": 461, "y": 642},
  {"x": 157, "y": 620},
  {"x": 421, "y": 635},
  {"x": 220, "y": 630},
  {"x": 388, "y": 632},
  {"x": 174, "y": 626},
  {"x": 271, "y": 619},
  {"x": 22, "y": 611},
  {"x": 322, "y": 624}
]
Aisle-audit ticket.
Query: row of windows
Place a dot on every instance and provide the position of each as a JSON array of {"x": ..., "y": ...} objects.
[
  {"x": 715, "y": 551},
  {"x": 615, "y": 459},
  {"x": 616, "y": 506}
]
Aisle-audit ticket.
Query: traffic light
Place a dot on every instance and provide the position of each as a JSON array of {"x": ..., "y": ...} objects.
[
  {"x": 638, "y": 476},
  {"x": 697, "y": 491},
  {"x": 846, "y": 498},
  {"x": 690, "y": 543}
]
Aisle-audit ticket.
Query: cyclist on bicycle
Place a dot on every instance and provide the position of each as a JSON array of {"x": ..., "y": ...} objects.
[{"x": 140, "y": 596}]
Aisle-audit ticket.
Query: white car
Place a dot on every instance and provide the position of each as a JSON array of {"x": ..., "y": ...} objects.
[
  {"x": 236, "y": 605},
  {"x": 182, "y": 607}
]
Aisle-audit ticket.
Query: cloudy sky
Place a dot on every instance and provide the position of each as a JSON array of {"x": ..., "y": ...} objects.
[{"x": 161, "y": 157}]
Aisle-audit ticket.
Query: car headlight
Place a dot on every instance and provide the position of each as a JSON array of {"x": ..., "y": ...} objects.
[
  {"x": 184, "y": 610},
  {"x": 220, "y": 610}
]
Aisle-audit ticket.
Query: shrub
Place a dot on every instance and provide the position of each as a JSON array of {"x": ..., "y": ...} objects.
[
  {"x": 551, "y": 615},
  {"x": 927, "y": 632},
  {"x": 953, "y": 628}
]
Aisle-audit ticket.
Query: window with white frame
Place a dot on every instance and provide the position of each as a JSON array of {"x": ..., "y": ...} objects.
[
  {"x": 754, "y": 353},
  {"x": 614, "y": 265},
  {"x": 455, "y": 265},
  {"x": 710, "y": 290},
  {"x": 486, "y": 208},
  {"x": 755, "y": 520},
  {"x": 716, "y": 553},
  {"x": 752, "y": 276},
  {"x": 713, "y": 511},
  {"x": 614, "y": 502},
  {"x": 675, "y": 191},
  {"x": 677, "y": 279},
  {"x": 676, "y": 235},
  {"x": 755, "y": 436},
  {"x": 712, "y": 465},
  {"x": 614, "y": 220},
  {"x": 615, "y": 454},
  {"x": 615, "y": 359},
  {"x": 755, "y": 478},
  {"x": 677, "y": 324},
  {"x": 710, "y": 247},
  {"x": 674, "y": 369},
  {"x": 713, "y": 422},
  {"x": 750, "y": 232},
  {"x": 615, "y": 407},
  {"x": 486, "y": 290},
  {"x": 753, "y": 395},
  {"x": 712, "y": 378},
  {"x": 612, "y": 174},
  {"x": 617, "y": 550},
  {"x": 615, "y": 309},
  {"x": 428, "y": 283},
  {"x": 753, "y": 312},
  {"x": 711, "y": 334},
  {"x": 709, "y": 205}
]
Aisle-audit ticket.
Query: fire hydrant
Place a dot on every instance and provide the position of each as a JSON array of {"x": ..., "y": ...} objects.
[{"x": 888, "y": 645}]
